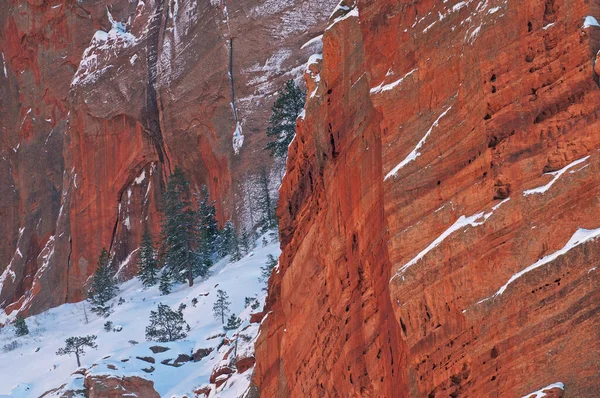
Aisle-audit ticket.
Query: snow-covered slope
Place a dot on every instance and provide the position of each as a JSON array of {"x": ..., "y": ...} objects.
[{"x": 33, "y": 368}]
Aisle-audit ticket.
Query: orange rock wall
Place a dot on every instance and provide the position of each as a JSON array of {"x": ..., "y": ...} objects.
[
  {"x": 99, "y": 101},
  {"x": 407, "y": 190}
]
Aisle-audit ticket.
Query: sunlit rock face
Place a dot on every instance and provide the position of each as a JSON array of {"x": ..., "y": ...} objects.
[
  {"x": 100, "y": 100},
  {"x": 439, "y": 214}
]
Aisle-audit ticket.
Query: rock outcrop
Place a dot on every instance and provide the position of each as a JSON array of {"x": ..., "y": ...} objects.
[
  {"x": 99, "y": 101},
  {"x": 439, "y": 213}
]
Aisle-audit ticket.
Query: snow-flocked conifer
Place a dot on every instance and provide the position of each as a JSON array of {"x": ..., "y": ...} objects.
[
  {"x": 21, "y": 328},
  {"x": 285, "y": 111},
  {"x": 148, "y": 266},
  {"x": 103, "y": 287},
  {"x": 180, "y": 234}
]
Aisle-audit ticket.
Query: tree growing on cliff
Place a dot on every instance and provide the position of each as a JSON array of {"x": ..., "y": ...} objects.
[
  {"x": 148, "y": 267},
  {"x": 21, "y": 328},
  {"x": 180, "y": 235},
  {"x": 221, "y": 306},
  {"x": 77, "y": 346},
  {"x": 287, "y": 108},
  {"x": 166, "y": 325},
  {"x": 267, "y": 269},
  {"x": 265, "y": 202},
  {"x": 103, "y": 287}
]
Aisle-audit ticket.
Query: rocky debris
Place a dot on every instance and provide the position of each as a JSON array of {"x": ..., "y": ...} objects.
[
  {"x": 157, "y": 349},
  {"x": 203, "y": 391},
  {"x": 201, "y": 353},
  {"x": 244, "y": 363},
  {"x": 257, "y": 317},
  {"x": 220, "y": 373},
  {"x": 147, "y": 359},
  {"x": 430, "y": 225},
  {"x": 114, "y": 387}
]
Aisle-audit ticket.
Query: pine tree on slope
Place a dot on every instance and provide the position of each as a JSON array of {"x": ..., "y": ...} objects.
[
  {"x": 148, "y": 267},
  {"x": 221, "y": 306},
  {"x": 286, "y": 110},
  {"x": 180, "y": 235},
  {"x": 166, "y": 325},
  {"x": 207, "y": 227},
  {"x": 103, "y": 287},
  {"x": 164, "y": 285},
  {"x": 21, "y": 328},
  {"x": 76, "y": 345},
  {"x": 233, "y": 322}
]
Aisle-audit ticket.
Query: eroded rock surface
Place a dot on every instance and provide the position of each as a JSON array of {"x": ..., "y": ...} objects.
[
  {"x": 99, "y": 101},
  {"x": 439, "y": 213}
]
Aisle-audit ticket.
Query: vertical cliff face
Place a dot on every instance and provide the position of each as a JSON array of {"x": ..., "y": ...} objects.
[
  {"x": 439, "y": 213},
  {"x": 101, "y": 100}
]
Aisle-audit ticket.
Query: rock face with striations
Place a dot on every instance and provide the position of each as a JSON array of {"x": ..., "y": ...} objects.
[
  {"x": 440, "y": 209},
  {"x": 100, "y": 100}
]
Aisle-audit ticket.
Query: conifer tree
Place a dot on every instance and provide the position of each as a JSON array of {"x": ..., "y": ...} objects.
[
  {"x": 233, "y": 322},
  {"x": 180, "y": 235},
  {"x": 245, "y": 241},
  {"x": 221, "y": 306},
  {"x": 165, "y": 283},
  {"x": 286, "y": 110},
  {"x": 207, "y": 228},
  {"x": 267, "y": 269},
  {"x": 166, "y": 325},
  {"x": 103, "y": 287},
  {"x": 21, "y": 328},
  {"x": 148, "y": 267},
  {"x": 77, "y": 345},
  {"x": 264, "y": 200},
  {"x": 228, "y": 242}
]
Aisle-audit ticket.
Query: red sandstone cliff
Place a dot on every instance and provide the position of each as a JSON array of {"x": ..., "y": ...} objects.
[
  {"x": 440, "y": 209},
  {"x": 100, "y": 100}
]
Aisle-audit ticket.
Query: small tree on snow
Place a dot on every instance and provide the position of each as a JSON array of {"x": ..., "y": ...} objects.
[
  {"x": 77, "y": 345},
  {"x": 221, "y": 306},
  {"x": 21, "y": 328},
  {"x": 148, "y": 267},
  {"x": 286, "y": 110},
  {"x": 165, "y": 283},
  {"x": 103, "y": 286},
  {"x": 166, "y": 325},
  {"x": 233, "y": 322}
]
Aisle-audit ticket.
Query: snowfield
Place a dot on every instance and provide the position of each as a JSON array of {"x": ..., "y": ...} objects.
[{"x": 33, "y": 368}]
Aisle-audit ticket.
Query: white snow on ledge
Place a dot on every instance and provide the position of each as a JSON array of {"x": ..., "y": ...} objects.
[
  {"x": 579, "y": 237},
  {"x": 462, "y": 222},
  {"x": 415, "y": 152},
  {"x": 556, "y": 175},
  {"x": 381, "y": 88},
  {"x": 351, "y": 14},
  {"x": 590, "y": 21},
  {"x": 541, "y": 394}
]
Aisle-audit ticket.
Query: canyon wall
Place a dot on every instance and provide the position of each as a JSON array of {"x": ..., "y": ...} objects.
[
  {"x": 101, "y": 100},
  {"x": 440, "y": 209}
]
